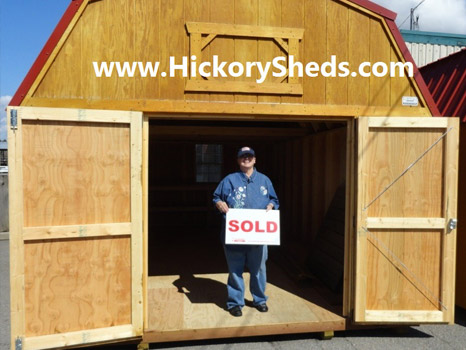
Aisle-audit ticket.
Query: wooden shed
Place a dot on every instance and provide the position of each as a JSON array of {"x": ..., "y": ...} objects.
[{"x": 112, "y": 232}]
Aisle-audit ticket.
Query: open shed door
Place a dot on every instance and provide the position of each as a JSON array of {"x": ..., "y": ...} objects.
[
  {"x": 75, "y": 226},
  {"x": 406, "y": 201}
]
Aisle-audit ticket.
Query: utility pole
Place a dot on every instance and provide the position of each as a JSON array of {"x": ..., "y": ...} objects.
[{"x": 414, "y": 23}]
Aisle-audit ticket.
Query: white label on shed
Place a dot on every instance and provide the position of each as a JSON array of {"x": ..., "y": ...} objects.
[
  {"x": 412, "y": 101},
  {"x": 252, "y": 226}
]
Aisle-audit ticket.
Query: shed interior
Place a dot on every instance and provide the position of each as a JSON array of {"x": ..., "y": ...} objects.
[{"x": 306, "y": 162}]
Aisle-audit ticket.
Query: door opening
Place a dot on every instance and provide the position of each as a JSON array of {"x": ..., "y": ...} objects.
[{"x": 187, "y": 271}]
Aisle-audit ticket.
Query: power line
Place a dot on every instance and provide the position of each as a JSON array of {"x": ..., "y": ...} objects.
[{"x": 411, "y": 15}]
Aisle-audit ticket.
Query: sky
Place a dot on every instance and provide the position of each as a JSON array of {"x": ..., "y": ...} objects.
[{"x": 25, "y": 26}]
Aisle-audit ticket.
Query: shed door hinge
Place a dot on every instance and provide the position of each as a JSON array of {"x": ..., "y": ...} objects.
[
  {"x": 13, "y": 119},
  {"x": 19, "y": 343},
  {"x": 452, "y": 223}
]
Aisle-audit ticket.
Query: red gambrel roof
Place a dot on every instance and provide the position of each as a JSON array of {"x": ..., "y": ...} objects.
[
  {"x": 446, "y": 80},
  {"x": 388, "y": 15}
]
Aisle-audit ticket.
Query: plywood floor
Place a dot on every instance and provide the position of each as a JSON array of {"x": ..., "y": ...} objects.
[{"x": 192, "y": 306}]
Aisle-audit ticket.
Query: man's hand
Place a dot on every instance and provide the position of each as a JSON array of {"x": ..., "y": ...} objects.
[
  {"x": 269, "y": 207},
  {"x": 222, "y": 207}
]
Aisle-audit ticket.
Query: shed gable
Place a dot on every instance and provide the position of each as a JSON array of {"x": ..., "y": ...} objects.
[{"x": 153, "y": 31}]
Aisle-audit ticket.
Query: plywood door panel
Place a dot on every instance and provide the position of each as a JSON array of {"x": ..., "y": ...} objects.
[
  {"x": 71, "y": 176},
  {"x": 407, "y": 178},
  {"x": 77, "y": 243},
  {"x": 79, "y": 284}
]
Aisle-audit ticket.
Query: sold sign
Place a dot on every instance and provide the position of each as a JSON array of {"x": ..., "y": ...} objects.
[{"x": 252, "y": 226}]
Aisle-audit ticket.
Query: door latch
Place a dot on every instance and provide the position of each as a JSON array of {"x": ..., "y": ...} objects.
[{"x": 452, "y": 224}]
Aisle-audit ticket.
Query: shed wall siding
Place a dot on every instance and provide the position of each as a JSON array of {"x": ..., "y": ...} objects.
[{"x": 146, "y": 30}]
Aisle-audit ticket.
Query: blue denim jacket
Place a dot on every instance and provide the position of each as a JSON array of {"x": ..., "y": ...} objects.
[{"x": 241, "y": 192}]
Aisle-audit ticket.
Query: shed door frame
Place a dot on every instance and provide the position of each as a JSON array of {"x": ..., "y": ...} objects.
[
  {"x": 447, "y": 129},
  {"x": 349, "y": 250},
  {"x": 19, "y": 234}
]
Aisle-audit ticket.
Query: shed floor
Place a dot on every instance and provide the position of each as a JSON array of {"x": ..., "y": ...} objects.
[{"x": 192, "y": 306}]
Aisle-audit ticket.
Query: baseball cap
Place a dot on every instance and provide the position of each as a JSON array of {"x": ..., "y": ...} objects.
[{"x": 246, "y": 150}]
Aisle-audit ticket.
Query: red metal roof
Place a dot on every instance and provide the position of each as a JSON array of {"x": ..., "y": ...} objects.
[
  {"x": 75, "y": 4},
  {"x": 446, "y": 80}
]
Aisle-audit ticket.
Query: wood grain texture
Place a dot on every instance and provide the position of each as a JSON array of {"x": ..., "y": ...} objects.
[
  {"x": 350, "y": 221},
  {"x": 222, "y": 110},
  {"x": 269, "y": 15},
  {"x": 246, "y": 49},
  {"x": 315, "y": 48},
  {"x": 106, "y": 335},
  {"x": 389, "y": 153},
  {"x": 293, "y": 16},
  {"x": 136, "y": 207},
  {"x": 75, "y": 231},
  {"x": 73, "y": 37},
  {"x": 146, "y": 45},
  {"x": 184, "y": 306},
  {"x": 358, "y": 51},
  {"x": 120, "y": 48},
  {"x": 171, "y": 44},
  {"x": 379, "y": 87},
  {"x": 16, "y": 218},
  {"x": 70, "y": 287},
  {"x": 61, "y": 67},
  {"x": 197, "y": 11},
  {"x": 150, "y": 31},
  {"x": 337, "y": 44},
  {"x": 75, "y": 173},
  {"x": 399, "y": 86},
  {"x": 403, "y": 262},
  {"x": 415, "y": 285},
  {"x": 221, "y": 11},
  {"x": 91, "y": 51},
  {"x": 145, "y": 215},
  {"x": 451, "y": 203}
]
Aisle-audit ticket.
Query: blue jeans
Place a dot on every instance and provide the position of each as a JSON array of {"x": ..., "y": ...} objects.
[{"x": 254, "y": 257}]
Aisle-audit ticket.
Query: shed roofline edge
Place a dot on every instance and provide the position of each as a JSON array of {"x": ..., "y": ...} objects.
[
  {"x": 43, "y": 56},
  {"x": 431, "y": 105},
  {"x": 380, "y": 10}
]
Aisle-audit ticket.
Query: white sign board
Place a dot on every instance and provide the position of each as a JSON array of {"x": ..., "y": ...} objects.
[
  {"x": 411, "y": 101},
  {"x": 252, "y": 226}
]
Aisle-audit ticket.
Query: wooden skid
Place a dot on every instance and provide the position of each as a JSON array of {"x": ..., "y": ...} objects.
[{"x": 178, "y": 312}]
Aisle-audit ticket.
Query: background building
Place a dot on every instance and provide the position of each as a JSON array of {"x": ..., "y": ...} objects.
[{"x": 427, "y": 47}]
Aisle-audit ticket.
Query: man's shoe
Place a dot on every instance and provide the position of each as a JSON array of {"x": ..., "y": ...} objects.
[
  {"x": 262, "y": 308},
  {"x": 235, "y": 311}
]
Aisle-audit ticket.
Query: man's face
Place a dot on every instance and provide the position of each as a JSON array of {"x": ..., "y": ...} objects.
[{"x": 247, "y": 161}]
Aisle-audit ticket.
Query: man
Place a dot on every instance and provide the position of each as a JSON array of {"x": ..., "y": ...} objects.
[{"x": 245, "y": 189}]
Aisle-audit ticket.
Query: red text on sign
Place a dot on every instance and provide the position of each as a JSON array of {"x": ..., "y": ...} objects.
[{"x": 249, "y": 226}]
